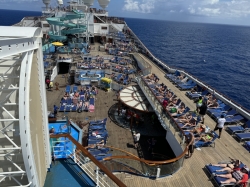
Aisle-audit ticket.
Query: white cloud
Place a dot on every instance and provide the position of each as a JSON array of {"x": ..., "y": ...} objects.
[
  {"x": 209, "y": 8},
  {"x": 144, "y": 6}
]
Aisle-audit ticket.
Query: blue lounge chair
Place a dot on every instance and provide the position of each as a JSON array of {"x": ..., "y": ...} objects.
[
  {"x": 101, "y": 150},
  {"x": 186, "y": 83},
  {"x": 239, "y": 128},
  {"x": 99, "y": 121},
  {"x": 125, "y": 81},
  {"x": 176, "y": 74},
  {"x": 68, "y": 108},
  {"x": 94, "y": 141},
  {"x": 234, "y": 119},
  {"x": 187, "y": 109},
  {"x": 62, "y": 108},
  {"x": 68, "y": 89},
  {"x": 228, "y": 114},
  {"x": 212, "y": 169},
  {"x": 118, "y": 77},
  {"x": 242, "y": 136},
  {"x": 222, "y": 109},
  {"x": 247, "y": 145},
  {"x": 188, "y": 127},
  {"x": 187, "y": 87},
  {"x": 196, "y": 95},
  {"x": 201, "y": 143},
  {"x": 96, "y": 127},
  {"x": 102, "y": 156},
  {"x": 75, "y": 88},
  {"x": 74, "y": 108}
]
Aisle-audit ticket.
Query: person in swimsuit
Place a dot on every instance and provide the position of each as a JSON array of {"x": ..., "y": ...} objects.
[
  {"x": 229, "y": 167},
  {"x": 236, "y": 176}
]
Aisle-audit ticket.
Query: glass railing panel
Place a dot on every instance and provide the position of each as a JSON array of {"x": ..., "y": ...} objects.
[{"x": 164, "y": 117}]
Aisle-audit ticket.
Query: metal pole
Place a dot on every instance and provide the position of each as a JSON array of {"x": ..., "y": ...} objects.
[
  {"x": 158, "y": 173},
  {"x": 97, "y": 176}
]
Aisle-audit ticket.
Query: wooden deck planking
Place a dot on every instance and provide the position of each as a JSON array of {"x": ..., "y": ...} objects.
[{"x": 191, "y": 174}]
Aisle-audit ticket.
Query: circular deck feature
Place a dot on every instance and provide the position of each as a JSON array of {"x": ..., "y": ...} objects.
[{"x": 133, "y": 97}]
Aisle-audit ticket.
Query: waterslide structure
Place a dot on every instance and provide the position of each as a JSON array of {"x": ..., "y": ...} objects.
[{"x": 65, "y": 27}]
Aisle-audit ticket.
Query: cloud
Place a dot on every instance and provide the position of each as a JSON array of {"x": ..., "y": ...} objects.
[
  {"x": 144, "y": 6},
  {"x": 209, "y": 8}
]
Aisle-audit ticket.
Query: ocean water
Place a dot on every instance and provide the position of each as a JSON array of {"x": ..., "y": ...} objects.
[
  {"x": 219, "y": 55},
  {"x": 10, "y": 17}
]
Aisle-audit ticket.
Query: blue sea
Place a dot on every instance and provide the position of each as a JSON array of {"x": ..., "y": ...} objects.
[{"x": 219, "y": 55}]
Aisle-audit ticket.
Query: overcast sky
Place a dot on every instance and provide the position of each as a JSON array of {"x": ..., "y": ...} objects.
[{"x": 208, "y": 11}]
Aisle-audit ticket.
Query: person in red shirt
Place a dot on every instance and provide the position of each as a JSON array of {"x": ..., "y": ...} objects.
[
  {"x": 165, "y": 103},
  {"x": 237, "y": 176}
]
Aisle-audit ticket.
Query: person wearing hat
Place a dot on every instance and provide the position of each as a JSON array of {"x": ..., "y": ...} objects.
[
  {"x": 220, "y": 125},
  {"x": 236, "y": 176}
]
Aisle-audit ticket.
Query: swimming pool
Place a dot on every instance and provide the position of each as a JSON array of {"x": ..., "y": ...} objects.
[{"x": 62, "y": 147}]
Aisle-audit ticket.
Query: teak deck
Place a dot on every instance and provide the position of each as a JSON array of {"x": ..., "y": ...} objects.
[{"x": 192, "y": 173}]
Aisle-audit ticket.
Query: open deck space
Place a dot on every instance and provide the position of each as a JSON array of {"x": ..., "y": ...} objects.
[{"x": 191, "y": 174}]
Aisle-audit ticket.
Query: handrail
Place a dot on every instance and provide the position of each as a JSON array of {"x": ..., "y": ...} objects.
[
  {"x": 105, "y": 170},
  {"x": 164, "y": 108},
  {"x": 92, "y": 158},
  {"x": 236, "y": 105}
]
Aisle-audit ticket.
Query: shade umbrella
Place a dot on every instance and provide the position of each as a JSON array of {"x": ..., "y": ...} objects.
[{"x": 57, "y": 44}]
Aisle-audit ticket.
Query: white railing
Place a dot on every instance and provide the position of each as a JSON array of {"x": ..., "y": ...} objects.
[
  {"x": 163, "y": 117},
  {"x": 86, "y": 165},
  {"x": 228, "y": 101}
]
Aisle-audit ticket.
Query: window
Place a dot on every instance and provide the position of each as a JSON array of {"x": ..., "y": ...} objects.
[{"x": 104, "y": 28}]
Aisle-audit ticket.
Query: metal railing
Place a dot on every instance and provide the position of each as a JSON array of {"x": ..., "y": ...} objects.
[
  {"x": 240, "y": 109},
  {"x": 84, "y": 159},
  {"x": 83, "y": 162},
  {"x": 125, "y": 162}
]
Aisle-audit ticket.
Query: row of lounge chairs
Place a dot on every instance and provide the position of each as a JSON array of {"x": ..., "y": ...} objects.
[
  {"x": 78, "y": 104},
  {"x": 183, "y": 83},
  {"x": 119, "y": 60},
  {"x": 122, "y": 69},
  {"x": 213, "y": 170},
  {"x": 196, "y": 118},
  {"x": 241, "y": 131},
  {"x": 97, "y": 138},
  {"x": 121, "y": 79}
]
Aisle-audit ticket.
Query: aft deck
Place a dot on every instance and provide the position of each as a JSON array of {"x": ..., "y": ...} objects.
[{"x": 191, "y": 174}]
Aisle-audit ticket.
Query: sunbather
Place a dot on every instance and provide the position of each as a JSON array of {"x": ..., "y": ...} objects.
[
  {"x": 236, "y": 176},
  {"x": 184, "y": 118},
  {"x": 208, "y": 137},
  {"x": 100, "y": 144},
  {"x": 180, "y": 110},
  {"x": 172, "y": 103},
  {"x": 214, "y": 104},
  {"x": 198, "y": 130},
  {"x": 190, "y": 123},
  {"x": 86, "y": 104},
  {"x": 79, "y": 104},
  {"x": 230, "y": 167}
]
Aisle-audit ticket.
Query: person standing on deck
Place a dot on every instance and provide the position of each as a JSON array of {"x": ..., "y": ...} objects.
[
  {"x": 198, "y": 104},
  {"x": 202, "y": 111},
  {"x": 47, "y": 81},
  {"x": 136, "y": 138},
  {"x": 220, "y": 125}
]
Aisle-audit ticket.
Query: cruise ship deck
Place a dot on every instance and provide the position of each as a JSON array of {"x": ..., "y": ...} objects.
[{"x": 192, "y": 173}]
